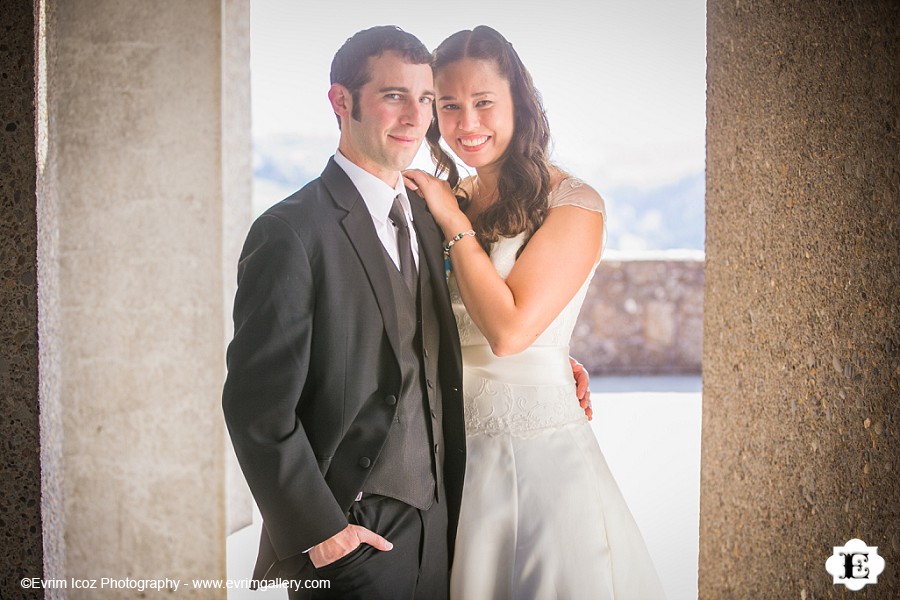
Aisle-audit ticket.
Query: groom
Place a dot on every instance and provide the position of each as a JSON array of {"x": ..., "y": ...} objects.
[{"x": 343, "y": 396}]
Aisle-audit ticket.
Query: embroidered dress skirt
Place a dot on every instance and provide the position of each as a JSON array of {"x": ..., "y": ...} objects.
[{"x": 542, "y": 516}]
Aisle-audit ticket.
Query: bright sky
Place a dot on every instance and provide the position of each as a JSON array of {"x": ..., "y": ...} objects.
[{"x": 623, "y": 81}]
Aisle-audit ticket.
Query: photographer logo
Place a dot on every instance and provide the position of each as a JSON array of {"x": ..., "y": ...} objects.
[{"x": 854, "y": 564}]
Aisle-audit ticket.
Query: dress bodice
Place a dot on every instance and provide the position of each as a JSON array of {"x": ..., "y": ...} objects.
[{"x": 546, "y": 360}]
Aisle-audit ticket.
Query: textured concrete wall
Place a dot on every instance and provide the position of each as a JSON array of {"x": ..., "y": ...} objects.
[
  {"x": 21, "y": 539},
  {"x": 801, "y": 368},
  {"x": 49, "y": 310},
  {"x": 643, "y": 316},
  {"x": 146, "y": 153}
]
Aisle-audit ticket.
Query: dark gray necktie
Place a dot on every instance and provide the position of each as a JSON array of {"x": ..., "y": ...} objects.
[{"x": 407, "y": 265}]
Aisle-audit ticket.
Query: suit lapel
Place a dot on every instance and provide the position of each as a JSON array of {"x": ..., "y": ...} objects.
[
  {"x": 361, "y": 233},
  {"x": 430, "y": 241}
]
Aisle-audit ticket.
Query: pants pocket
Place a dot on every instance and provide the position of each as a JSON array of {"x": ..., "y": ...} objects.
[{"x": 344, "y": 561}]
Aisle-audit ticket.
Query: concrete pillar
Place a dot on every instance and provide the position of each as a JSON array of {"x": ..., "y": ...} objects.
[
  {"x": 152, "y": 140},
  {"x": 31, "y": 502},
  {"x": 801, "y": 374},
  {"x": 237, "y": 193}
]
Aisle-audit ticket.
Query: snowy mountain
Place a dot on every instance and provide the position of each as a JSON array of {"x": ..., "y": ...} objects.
[{"x": 658, "y": 218}]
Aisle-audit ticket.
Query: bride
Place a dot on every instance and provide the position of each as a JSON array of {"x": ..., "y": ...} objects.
[{"x": 541, "y": 516}]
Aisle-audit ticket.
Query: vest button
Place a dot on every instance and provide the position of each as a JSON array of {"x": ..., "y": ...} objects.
[
  {"x": 430, "y": 384},
  {"x": 390, "y": 400},
  {"x": 364, "y": 462},
  {"x": 433, "y": 415}
]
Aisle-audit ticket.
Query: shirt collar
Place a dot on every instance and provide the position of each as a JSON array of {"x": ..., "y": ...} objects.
[{"x": 378, "y": 196}]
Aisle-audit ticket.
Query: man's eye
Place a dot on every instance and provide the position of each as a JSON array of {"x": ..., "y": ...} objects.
[
  {"x": 426, "y": 99},
  {"x": 392, "y": 96}
]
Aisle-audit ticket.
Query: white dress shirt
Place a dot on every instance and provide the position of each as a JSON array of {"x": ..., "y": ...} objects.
[{"x": 379, "y": 197}]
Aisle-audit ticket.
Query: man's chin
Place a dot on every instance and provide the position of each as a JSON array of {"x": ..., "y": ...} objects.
[{"x": 403, "y": 162}]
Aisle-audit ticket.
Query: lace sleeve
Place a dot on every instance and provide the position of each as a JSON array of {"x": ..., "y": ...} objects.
[{"x": 574, "y": 192}]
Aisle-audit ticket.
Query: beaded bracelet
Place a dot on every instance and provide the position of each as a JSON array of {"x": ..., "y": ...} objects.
[{"x": 455, "y": 239}]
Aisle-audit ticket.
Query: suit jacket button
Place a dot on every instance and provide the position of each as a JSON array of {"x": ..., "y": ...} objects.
[
  {"x": 390, "y": 400},
  {"x": 364, "y": 462}
]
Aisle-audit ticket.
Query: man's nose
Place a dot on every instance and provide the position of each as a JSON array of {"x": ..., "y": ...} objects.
[{"x": 417, "y": 113}]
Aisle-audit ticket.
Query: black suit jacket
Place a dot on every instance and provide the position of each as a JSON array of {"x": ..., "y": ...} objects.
[{"x": 313, "y": 372}]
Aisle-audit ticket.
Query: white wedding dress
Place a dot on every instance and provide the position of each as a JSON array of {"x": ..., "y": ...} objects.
[{"x": 542, "y": 516}]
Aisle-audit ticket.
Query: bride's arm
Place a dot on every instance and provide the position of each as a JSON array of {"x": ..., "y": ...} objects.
[
  {"x": 559, "y": 257},
  {"x": 553, "y": 266}
]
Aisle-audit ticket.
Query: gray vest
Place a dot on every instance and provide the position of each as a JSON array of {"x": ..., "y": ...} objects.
[{"x": 409, "y": 467}]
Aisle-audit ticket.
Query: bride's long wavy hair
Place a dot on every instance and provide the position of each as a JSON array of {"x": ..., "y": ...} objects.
[{"x": 524, "y": 182}]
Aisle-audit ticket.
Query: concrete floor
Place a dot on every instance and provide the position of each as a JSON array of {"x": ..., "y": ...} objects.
[{"x": 649, "y": 431}]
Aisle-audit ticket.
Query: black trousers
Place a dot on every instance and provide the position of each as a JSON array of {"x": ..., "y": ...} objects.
[{"x": 416, "y": 568}]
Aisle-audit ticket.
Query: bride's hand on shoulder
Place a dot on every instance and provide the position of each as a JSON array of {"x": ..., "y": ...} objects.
[{"x": 441, "y": 202}]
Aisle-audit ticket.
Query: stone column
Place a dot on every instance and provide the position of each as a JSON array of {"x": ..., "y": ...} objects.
[
  {"x": 237, "y": 194},
  {"x": 801, "y": 366},
  {"x": 31, "y": 503},
  {"x": 149, "y": 134}
]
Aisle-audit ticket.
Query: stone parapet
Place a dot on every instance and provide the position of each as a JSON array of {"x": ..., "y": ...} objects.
[{"x": 643, "y": 315}]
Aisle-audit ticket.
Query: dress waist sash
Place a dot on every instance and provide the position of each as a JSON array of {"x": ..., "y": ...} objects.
[{"x": 536, "y": 365}]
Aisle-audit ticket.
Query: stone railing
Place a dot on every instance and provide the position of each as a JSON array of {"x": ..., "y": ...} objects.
[{"x": 643, "y": 315}]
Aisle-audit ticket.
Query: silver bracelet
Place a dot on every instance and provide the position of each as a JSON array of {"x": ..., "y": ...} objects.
[{"x": 456, "y": 238}]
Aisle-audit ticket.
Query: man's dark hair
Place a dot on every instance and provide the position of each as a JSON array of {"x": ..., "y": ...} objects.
[{"x": 350, "y": 66}]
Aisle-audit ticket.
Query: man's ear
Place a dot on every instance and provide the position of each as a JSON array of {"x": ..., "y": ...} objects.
[{"x": 341, "y": 100}]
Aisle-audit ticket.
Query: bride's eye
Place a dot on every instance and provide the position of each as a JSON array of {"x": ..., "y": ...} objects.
[{"x": 450, "y": 107}]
